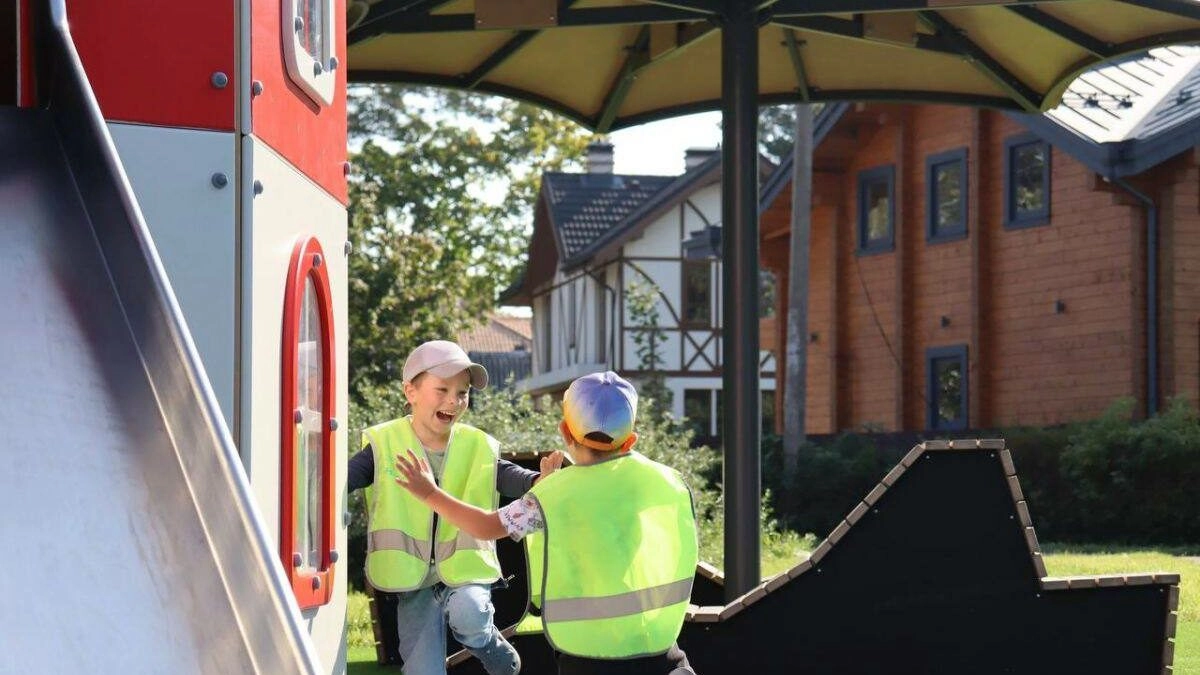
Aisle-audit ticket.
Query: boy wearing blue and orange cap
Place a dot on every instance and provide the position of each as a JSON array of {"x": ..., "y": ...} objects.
[{"x": 611, "y": 540}]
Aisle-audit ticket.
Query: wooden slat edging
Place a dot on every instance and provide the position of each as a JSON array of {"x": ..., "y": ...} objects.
[
  {"x": 1006, "y": 461},
  {"x": 839, "y": 532},
  {"x": 874, "y": 495},
  {"x": 893, "y": 475},
  {"x": 1014, "y": 486},
  {"x": 858, "y": 512},
  {"x": 800, "y": 569}
]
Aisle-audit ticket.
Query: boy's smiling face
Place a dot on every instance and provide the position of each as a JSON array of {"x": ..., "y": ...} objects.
[{"x": 437, "y": 403}]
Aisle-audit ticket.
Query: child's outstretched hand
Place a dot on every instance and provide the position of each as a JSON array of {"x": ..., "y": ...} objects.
[
  {"x": 549, "y": 464},
  {"x": 415, "y": 475}
]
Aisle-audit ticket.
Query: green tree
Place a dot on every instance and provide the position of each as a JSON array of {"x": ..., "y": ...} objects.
[
  {"x": 441, "y": 198},
  {"x": 641, "y": 299}
]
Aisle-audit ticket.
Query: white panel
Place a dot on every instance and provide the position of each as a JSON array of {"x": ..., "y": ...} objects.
[
  {"x": 708, "y": 201},
  {"x": 192, "y": 222},
  {"x": 660, "y": 239},
  {"x": 663, "y": 274},
  {"x": 669, "y": 349},
  {"x": 290, "y": 206}
]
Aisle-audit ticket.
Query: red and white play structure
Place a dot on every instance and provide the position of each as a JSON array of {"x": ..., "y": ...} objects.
[{"x": 175, "y": 271}]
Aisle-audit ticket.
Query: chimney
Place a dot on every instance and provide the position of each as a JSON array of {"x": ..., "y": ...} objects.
[
  {"x": 694, "y": 157},
  {"x": 600, "y": 157}
]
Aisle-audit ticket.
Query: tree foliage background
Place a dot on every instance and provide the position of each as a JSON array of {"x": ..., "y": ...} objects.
[{"x": 441, "y": 194}]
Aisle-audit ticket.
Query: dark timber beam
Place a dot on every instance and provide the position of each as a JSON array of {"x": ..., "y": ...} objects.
[
  {"x": 388, "y": 8},
  {"x": 1029, "y": 99},
  {"x": 793, "y": 47},
  {"x": 1065, "y": 30},
  {"x": 407, "y": 23},
  {"x": 1184, "y": 8}
]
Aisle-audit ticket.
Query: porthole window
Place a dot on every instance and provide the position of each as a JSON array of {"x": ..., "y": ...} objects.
[
  {"x": 307, "y": 424},
  {"x": 309, "y": 46}
]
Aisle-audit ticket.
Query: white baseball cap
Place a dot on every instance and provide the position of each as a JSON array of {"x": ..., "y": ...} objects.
[{"x": 444, "y": 359}]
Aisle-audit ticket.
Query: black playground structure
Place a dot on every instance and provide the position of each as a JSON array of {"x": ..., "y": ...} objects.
[{"x": 936, "y": 570}]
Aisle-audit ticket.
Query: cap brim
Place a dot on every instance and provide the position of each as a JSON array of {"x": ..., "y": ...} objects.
[{"x": 479, "y": 374}]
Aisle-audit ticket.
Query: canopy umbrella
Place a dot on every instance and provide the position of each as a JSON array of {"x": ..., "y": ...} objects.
[{"x": 615, "y": 63}]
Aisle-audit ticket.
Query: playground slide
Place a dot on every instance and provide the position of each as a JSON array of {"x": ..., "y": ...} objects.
[{"x": 131, "y": 541}]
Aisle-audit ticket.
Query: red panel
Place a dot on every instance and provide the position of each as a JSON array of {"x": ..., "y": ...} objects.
[
  {"x": 151, "y": 61},
  {"x": 26, "y": 92},
  {"x": 309, "y": 136},
  {"x": 316, "y": 587}
]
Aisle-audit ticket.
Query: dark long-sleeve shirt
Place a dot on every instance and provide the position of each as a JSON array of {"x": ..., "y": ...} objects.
[{"x": 511, "y": 480}]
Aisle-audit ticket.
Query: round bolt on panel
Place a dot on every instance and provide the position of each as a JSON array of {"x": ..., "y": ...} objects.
[
  {"x": 317, "y": 260},
  {"x": 346, "y": 168},
  {"x": 219, "y": 180},
  {"x": 256, "y": 88},
  {"x": 333, "y": 63},
  {"x": 317, "y": 68},
  {"x": 219, "y": 80},
  {"x": 297, "y": 560},
  {"x": 316, "y": 582},
  {"x": 258, "y": 187},
  {"x": 299, "y": 24},
  {"x": 347, "y": 248},
  {"x": 333, "y": 556},
  {"x": 297, "y": 416},
  {"x": 333, "y": 424}
]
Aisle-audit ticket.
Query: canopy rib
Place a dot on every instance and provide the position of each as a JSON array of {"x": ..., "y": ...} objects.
[
  {"x": 1065, "y": 31},
  {"x": 793, "y": 47},
  {"x": 1029, "y": 99},
  {"x": 635, "y": 60}
]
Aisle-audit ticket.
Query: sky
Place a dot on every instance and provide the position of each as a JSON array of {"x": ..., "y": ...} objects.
[{"x": 657, "y": 148}]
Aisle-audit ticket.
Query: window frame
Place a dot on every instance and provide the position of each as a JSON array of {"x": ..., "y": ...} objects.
[
  {"x": 932, "y": 356},
  {"x": 865, "y": 177},
  {"x": 1013, "y": 220},
  {"x": 684, "y": 304},
  {"x": 315, "y": 77},
  {"x": 934, "y": 234},
  {"x": 311, "y": 589}
]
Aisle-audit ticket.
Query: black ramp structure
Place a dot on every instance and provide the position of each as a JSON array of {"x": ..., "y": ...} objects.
[
  {"x": 133, "y": 545},
  {"x": 937, "y": 570}
]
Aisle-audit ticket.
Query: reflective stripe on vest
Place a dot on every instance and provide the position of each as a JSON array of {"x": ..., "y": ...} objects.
[
  {"x": 613, "y": 568},
  {"x": 608, "y": 607},
  {"x": 401, "y": 542}
]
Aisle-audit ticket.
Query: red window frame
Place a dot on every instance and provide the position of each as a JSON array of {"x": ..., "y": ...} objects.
[{"x": 312, "y": 589}]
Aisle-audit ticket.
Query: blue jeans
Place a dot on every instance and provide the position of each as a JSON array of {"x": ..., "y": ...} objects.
[{"x": 422, "y": 616}]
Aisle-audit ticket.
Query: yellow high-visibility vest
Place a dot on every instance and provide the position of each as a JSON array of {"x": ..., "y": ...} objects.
[
  {"x": 612, "y": 571},
  {"x": 401, "y": 542}
]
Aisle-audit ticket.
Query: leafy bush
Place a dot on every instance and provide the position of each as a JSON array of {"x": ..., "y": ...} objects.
[{"x": 1112, "y": 480}]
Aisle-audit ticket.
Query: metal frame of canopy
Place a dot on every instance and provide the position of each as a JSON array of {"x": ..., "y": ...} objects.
[{"x": 739, "y": 22}]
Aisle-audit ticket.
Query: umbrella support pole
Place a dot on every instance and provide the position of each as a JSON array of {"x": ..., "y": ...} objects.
[{"x": 740, "y": 290}]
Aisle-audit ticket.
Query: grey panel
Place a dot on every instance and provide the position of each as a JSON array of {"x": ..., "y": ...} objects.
[{"x": 133, "y": 544}]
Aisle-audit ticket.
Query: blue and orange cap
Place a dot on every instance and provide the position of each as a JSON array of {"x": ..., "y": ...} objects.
[{"x": 600, "y": 402}]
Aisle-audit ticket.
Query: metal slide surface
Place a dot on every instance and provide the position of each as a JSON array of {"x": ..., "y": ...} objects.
[{"x": 130, "y": 541}]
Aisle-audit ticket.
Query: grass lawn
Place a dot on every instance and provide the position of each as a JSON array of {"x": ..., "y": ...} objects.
[{"x": 1061, "y": 561}]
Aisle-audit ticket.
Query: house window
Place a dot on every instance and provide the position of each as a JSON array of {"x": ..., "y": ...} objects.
[
  {"x": 601, "y": 324},
  {"x": 697, "y": 292},
  {"x": 876, "y": 218},
  {"x": 767, "y": 294},
  {"x": 698, "y": 409},
  {"x": 946, "y": 402},
  {"x": 307, "y": 440},
  {"x": 1026, "y": 182},
  {"x": 946, "y": 198},
  {"x": 309, "y": 46},
  {"x": 767, "y": 411},
  {"x": 542, "y": 336}
]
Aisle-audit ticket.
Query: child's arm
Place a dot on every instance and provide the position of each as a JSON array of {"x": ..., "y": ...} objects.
[{"x": 417, "y": 478}]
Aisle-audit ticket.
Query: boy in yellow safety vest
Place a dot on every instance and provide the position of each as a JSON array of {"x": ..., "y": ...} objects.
[
  {"x": 441, "y": 574},
  {"x": 611, "y": 540}
]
